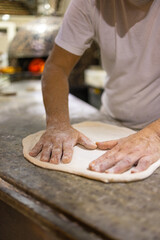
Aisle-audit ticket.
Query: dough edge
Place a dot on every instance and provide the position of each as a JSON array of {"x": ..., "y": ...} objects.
[{"x": 104, "y": 177}]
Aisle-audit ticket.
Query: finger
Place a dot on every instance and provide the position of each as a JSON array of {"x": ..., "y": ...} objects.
[
  {"x": 36, "y": 149},
  {"x": 86, "y": 142},
  {"x": 122, "y": 165},
  {"x": 67, "y": 152},
  {"x": 56, "y": 154},
  {"x": 143, "y": 164},
  {"x": 104, "y": 162},
  {"x": 107, "y": 144},
  {"x": 46, "y": 153}
]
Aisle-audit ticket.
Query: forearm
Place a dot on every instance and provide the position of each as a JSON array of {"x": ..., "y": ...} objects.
[{"x": 55, "y": 94}]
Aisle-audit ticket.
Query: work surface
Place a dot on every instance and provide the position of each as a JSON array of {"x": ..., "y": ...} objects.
[{"x": 73, "y": 206}]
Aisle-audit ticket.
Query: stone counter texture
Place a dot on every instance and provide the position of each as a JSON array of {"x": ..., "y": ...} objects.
[{"x": 111, "y": 211}]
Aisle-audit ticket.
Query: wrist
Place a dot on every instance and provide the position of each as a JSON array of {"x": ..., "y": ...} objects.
[
  {"x": 155, "y": 127},
  {"x": 57, "y": 123}
]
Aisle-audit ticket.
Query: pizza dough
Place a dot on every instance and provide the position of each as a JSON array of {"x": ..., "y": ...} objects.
[{"x": 82, "y": 157}]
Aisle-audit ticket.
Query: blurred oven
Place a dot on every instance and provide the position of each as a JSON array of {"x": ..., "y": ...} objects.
[{"x": 31, "y": 46}]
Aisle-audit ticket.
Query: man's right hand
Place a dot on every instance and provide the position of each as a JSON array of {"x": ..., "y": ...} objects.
[{"x": 56, "y": 145}]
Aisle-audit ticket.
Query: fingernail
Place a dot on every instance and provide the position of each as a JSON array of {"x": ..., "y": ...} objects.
[
  {"x": 93, "y": 146},
  {"x": 94, "y": 167},
  {"x": 109, "y": 171},
  {"x": 44, "y": 160},
  {"x": 66, "y": 160},
  {"x": 31, "y": 154},
  {"x": 54, "y": 161},
  {"x": 134, "y": 171}
]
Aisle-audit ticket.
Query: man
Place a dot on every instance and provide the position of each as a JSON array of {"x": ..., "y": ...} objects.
[{"x": 128, "y": 34}]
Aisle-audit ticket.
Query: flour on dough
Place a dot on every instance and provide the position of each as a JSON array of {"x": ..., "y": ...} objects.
[{"x": 96, "y": 131}]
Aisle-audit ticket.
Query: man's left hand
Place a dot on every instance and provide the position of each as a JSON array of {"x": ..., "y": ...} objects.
[{"x": 138, "y": 150}]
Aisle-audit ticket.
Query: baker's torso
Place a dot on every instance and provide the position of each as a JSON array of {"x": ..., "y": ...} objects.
[{"x": 129, "y": 39}]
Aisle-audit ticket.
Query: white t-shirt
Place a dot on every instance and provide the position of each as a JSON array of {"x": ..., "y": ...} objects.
[{"x": 129, "y": 40}]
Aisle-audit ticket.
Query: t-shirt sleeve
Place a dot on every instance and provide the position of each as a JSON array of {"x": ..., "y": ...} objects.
[{"x": 77, "y": 31}]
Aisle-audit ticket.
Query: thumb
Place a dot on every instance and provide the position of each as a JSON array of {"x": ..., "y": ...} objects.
[
  {"x": 86, "y": 142},
  {"x": 107, "y": 144}
]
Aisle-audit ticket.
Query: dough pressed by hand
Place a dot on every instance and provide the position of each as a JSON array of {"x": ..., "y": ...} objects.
[{"x": 96, "y": 131}]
